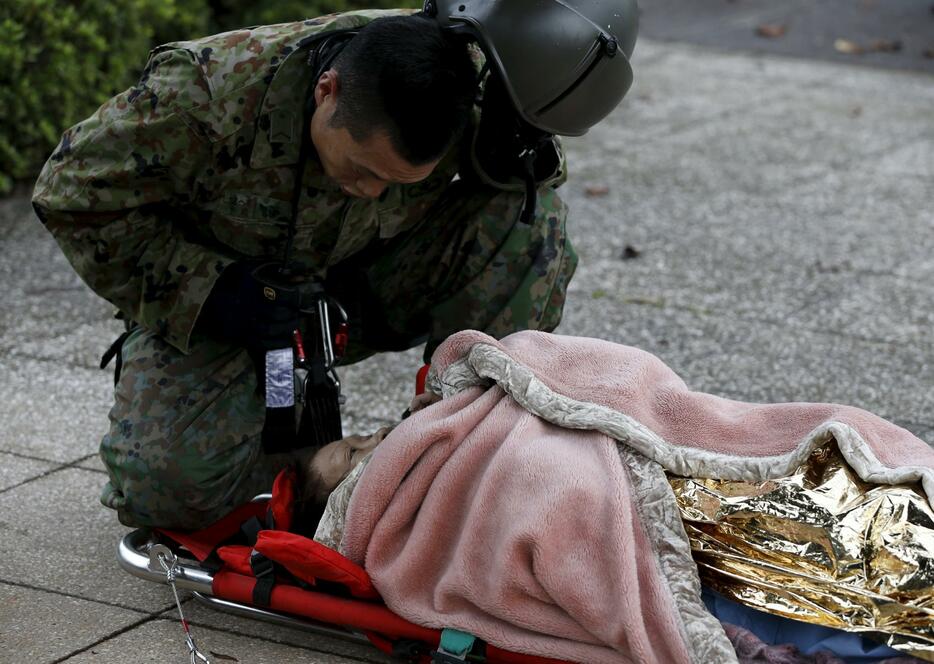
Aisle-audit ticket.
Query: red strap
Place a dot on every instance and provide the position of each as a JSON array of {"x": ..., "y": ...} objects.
[
  {"x": 362, "y": 615},
  {"x": 237, "y": 558},
  {"x": 326, "y": 608},
  {"x": 283, "y": 497},
  {"x": 420, "y": 378},
  {"x": 202, "y": 542},
  {"x": 309, "y": 560}
]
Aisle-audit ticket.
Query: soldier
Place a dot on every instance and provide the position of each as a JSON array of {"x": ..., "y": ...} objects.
[{"x": 345, "y": 150}]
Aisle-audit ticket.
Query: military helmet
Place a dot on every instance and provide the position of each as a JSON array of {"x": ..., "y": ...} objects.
[{"x": 564, "y": 63}]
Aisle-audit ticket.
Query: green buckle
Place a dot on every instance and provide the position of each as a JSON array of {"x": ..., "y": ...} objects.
[{"x": 454, "y": 647}]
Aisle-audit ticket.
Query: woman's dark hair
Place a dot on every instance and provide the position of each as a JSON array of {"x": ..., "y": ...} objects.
[
  {"x": 405, "y": 76},
  {"x": 311, "y": 498}
]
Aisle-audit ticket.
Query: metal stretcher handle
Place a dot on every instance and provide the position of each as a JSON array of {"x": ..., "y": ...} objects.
[
  {"x": 136, "y": 551},
  {"x": 135, "y": 555}
]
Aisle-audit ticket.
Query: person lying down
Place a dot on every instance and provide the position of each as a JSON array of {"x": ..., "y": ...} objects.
[{"x": 550, "y": 504}]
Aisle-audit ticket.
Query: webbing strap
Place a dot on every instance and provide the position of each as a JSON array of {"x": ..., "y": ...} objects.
[{"x": 265, "y": 572}]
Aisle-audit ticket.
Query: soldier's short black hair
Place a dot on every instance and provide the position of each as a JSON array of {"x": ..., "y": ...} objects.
[{"x": 405, "y": 76}]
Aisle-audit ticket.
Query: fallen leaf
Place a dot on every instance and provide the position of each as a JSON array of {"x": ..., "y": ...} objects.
[
  {"x": 223, "y": 657},
  {"x": 597, "y": 190},
  {"x": 772, "y": 30},
  {"x": 856, "y": 111},
  {"x": 630, "y": 252},
  {"x": 885, "y": 45},
  {"x": 598, "y": 294},
  {"x": 848, "y": 47}
]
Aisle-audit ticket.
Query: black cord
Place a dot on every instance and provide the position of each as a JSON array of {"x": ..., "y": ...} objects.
[{"x": 319, "y": 60}]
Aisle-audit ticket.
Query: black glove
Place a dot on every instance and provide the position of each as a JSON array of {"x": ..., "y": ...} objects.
[{"x": 252, "y": 306}]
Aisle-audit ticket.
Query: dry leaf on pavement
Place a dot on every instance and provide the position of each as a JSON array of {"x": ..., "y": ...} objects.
[
  {"x": 630, "y": 252},
  {"x": 848, "y": 47},
  {"x": 885, "y": 45},
  {"x": 772, "y": 30},
  {"x": 597, "y": 190}
]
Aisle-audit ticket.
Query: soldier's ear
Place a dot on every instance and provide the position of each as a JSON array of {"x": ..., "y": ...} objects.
[{"x": 328, "y": 85}]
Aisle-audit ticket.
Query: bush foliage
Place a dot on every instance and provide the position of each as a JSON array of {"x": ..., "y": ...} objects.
[{"x": 60, "y": 59}]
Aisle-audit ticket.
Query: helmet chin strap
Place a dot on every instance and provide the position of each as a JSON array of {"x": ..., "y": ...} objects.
[
  {"x": 527, "y": 156},
  {"x": 531, "y": 141}
]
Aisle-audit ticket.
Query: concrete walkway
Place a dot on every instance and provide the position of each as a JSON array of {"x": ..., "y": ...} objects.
[{"x": 767, "y": 229}]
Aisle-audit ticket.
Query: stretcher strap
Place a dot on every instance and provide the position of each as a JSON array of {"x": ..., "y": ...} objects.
[
  {"x": 356, "y": 614},
  {"x": 326, "y": 608},
  {"x": 420, "y": 378},
  {"x": 201, "y": 543}
]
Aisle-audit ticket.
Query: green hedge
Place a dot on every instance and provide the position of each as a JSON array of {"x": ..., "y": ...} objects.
[{"x": 60, "y": 59}]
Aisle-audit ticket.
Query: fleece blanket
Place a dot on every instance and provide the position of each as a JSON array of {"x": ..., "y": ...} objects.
[{"x": 530, "y": 506}]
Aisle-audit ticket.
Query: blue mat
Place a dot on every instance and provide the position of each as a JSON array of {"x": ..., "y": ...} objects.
[{"x": 808, "y": 639}]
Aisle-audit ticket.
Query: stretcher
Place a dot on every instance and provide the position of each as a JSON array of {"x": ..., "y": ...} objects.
[{"x": 250, "y": 564}]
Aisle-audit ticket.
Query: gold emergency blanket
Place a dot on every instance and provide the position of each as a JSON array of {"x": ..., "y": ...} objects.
[{"x": 820, "y": 546}]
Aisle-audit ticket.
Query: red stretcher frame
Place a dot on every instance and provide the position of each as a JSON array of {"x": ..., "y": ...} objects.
[{"x": 353, "y": 619}]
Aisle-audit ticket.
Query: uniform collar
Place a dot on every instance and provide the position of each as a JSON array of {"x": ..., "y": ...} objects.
[
  {"x": 279, "y": 123},
  {"x": 281, "y": 114}
]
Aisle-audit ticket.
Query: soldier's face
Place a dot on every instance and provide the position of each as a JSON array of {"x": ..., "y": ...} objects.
[{"x": 361, "y": 168}]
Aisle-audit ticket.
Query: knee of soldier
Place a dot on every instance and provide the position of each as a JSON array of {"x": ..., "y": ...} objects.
[{"x": 163, "y": 485}]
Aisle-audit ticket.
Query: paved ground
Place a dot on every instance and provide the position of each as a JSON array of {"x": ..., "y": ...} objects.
[
  {"x": 896, "y": 34},
  {"x": 767, "y": 229}
]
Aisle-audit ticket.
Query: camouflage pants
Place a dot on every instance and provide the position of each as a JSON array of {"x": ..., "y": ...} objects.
[{"x": 184, "y": 442}]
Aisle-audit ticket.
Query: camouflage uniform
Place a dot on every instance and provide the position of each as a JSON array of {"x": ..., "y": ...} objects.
[{"x": 193, "y": 169}]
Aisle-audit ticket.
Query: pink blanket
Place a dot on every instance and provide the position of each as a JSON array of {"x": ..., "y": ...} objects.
[{"x": 530, "y": 507}]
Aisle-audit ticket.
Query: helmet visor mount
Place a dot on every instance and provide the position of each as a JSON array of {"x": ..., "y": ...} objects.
[{"x": 563, "y": 71}]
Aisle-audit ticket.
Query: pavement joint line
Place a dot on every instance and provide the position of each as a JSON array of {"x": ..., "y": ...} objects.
[
  {"x": 67, "y": 466},
  {"x": 12, "y": 352},
  {"x": 285, "y": 642},
  {"x": 30, "y": 457},
  {"x": 112, "y": 635},
  {"x": 60, "y": 593}
]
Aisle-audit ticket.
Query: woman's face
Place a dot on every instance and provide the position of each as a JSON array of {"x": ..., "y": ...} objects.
[{"x": 334, "y": 461}]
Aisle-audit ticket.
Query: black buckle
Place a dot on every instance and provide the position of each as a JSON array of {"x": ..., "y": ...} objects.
[
  {"x": 265, "y": 572},
  {"x": 407, "y": 649},
  {"x": 442, "y": 656}
]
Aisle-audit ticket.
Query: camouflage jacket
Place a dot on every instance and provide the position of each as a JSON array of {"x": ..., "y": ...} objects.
[{"x": 194, "y": 168}]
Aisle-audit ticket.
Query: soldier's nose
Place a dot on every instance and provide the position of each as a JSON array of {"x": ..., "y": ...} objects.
[{"x": 372, "y": 188}]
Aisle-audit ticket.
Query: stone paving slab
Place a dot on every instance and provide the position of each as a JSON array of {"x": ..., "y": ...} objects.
[
  {"x": 16, "y": 469},
  {"x": 160, "y": 641},
  {"x": 38, "y": 626},
  {"x": 202, "y": 616},
  {"x": 93, "y": 463},
  {"x": 33, "y": 390},
  {"x": 57, "y": 537}
]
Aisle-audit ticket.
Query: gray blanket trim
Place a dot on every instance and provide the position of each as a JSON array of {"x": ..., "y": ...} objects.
[
  {"x": 486, "y": 364},
  {"x": 658, "y": 513}
]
